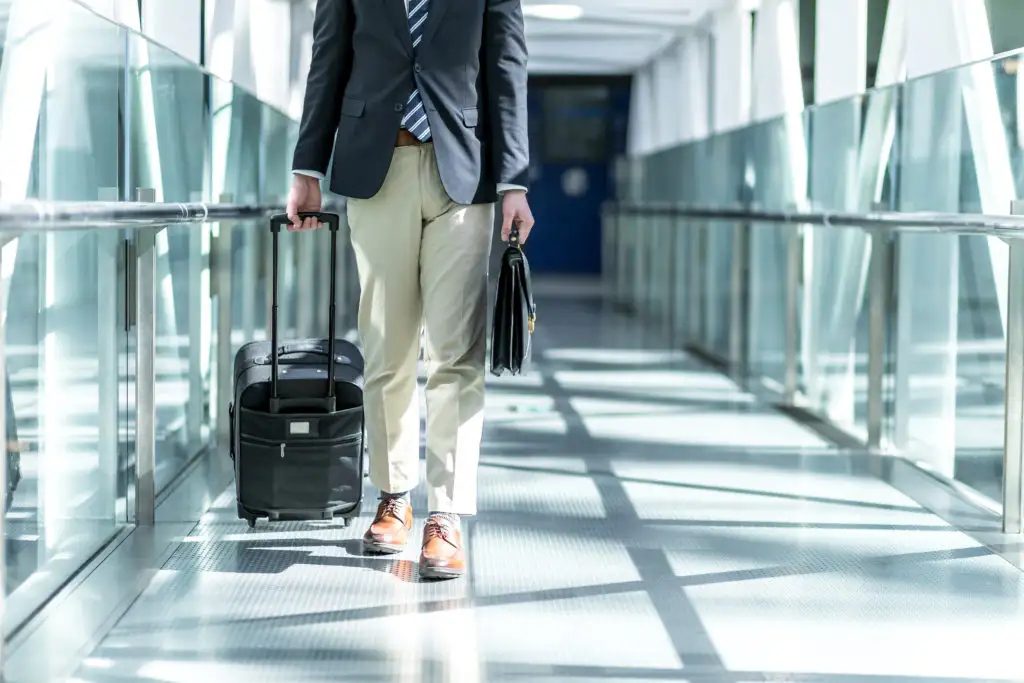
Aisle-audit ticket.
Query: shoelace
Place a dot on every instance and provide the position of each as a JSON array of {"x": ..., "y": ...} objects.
[
  {"x": 394, "y": 507},
  {"x": 439, "y": 528}
]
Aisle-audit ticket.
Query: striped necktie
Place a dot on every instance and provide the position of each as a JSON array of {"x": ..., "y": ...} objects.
[{"x": 415, "y": 118}]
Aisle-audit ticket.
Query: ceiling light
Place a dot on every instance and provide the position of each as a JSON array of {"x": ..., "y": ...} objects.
[{"x": 555, "y": 12}]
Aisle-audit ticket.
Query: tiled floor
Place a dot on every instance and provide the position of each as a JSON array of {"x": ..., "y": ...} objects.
[{"x": 641, "y": 519}]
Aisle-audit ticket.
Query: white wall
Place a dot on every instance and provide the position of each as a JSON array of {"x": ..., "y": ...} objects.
[{"x": 753, "y": 75}]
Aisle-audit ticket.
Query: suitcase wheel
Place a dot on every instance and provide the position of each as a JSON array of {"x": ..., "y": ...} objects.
[{"x": 251, "y": 521}]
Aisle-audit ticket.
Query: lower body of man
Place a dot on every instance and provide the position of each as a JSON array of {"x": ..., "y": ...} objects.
[{"x": 422, "y": 262}]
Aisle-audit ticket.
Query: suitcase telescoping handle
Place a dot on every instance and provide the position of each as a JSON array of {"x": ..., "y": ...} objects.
[{"x": 328, "y": 403}]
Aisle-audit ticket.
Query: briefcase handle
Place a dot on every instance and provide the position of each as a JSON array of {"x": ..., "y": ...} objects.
[{"x": 513, "y": 236}]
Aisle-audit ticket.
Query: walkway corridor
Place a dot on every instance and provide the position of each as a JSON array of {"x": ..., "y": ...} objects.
[{"x": 642, "y": 519}]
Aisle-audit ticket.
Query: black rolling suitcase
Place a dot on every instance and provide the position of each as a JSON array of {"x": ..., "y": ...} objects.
[{"x": 297, "y": 439}]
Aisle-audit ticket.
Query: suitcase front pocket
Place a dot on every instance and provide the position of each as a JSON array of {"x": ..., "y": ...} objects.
[{"x": 301, "y": 475}]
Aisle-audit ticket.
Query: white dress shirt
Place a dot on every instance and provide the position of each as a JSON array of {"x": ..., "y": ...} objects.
[{"x": 502, "y": 187}]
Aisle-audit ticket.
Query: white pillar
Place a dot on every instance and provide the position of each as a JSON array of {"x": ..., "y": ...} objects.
[
  {"x": 777, "y": 83},
  {"x": 641, "y": 124},
  {"x": 124, "y": 12},
  {"x": 694, "y": 56},
  {"x": 670, "y": 96},
  {"x": 270, "y": 36},
  {"x": 220, "y": 39},
  {"x": 731, "y": 74},
  {"x": 301, "y": 54},
  {"x": 840, "y": 49},
  {"x": 174, "y": 25}
]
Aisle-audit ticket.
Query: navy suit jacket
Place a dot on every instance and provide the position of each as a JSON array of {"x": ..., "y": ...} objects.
[{"x": 470, "y": 69}]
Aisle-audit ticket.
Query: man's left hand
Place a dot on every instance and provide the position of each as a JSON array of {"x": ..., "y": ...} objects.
[{"x": 516, "y": 209}]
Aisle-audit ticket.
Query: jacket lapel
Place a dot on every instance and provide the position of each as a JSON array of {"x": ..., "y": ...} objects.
[
  {"x": 437, "y": 10},
  {"x": 400, "y": 21}
]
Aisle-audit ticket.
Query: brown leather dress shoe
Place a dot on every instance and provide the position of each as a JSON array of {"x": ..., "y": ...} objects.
[
  {"x": 442, "y": 556},
  {"x": 390, "y": 528}
]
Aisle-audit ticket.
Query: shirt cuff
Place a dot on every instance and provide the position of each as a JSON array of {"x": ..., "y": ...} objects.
[
  {"x": 505, "y": 187},
  {"x": 313, "y": 174}
]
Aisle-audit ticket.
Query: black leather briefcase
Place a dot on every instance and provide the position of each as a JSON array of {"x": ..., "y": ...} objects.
[{"x": 515, "y": 312}]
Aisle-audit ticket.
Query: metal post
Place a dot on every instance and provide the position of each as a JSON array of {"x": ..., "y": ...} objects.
[
  {"x": 636, "y": 288},
  {"x": 110, "y": 342},
  {"x": 197, "y": 298},
  {"x": 673, "y": 268},
  {"x": 1013, "y": 450},
  {"x": 251, "y": 252},
  {"x": 145, "y": 375},
  {"x": 794, "y": 267},
  {"x": 622, "y": 223},
  {"x": 879, "y": 297},
  {"x": 697, "y": 235},
  {"x": 222, "y": 271},
  {"x": 739, "y": 298},
  {"x": 3, "y": 470}
]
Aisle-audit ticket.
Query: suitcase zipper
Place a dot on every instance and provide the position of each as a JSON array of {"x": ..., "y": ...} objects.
[{"x": 304, "y": 442}]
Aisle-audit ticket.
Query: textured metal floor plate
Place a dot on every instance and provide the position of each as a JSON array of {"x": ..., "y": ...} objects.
[{"x": 641, "y": 519}]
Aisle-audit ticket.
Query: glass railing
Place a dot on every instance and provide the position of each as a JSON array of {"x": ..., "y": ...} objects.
[
  {"x": 799, "y": 322},
  {"x": 90, "y": 111}
]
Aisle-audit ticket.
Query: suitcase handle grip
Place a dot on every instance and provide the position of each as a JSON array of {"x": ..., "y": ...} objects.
[
  {"x": 332, "y": 220},
  {"x": 327, "y": 404}
]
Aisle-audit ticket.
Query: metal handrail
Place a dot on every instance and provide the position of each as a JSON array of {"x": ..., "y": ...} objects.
[
  {"x": 879, "y": 226},
  {"x": 42, "y": 215},
  {"x": 913, "y": 221}
]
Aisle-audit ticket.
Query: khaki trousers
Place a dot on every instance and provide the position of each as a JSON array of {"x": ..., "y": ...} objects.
[{"x": 422, "y": 262}]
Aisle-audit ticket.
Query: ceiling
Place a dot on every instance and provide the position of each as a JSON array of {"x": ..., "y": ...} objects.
[{"x": 607, "y": 36}]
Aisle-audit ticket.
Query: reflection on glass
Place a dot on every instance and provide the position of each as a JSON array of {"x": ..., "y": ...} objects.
[
  {"x": 105, "y": 112},
  {"x": 64, "y": 341},
  {"x": 62, "y": 347}
]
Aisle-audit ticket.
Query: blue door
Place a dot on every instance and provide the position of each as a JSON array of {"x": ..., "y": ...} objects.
[{"x": 577, "y": 129}]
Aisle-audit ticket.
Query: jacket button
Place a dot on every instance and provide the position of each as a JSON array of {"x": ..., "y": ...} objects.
[
  {"x": 418, "y": 68},
  {"x": 399, "y": 106}
]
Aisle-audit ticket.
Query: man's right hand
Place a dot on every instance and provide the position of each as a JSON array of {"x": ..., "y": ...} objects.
[{"x": 304, "y": 196}]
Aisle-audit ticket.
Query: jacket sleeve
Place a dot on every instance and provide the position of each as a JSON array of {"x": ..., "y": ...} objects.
[
  {"x": 325, "y": 86},
  {"x": 505, "y": 59}
]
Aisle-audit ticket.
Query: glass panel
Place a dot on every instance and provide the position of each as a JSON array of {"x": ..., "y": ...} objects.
[
  {"x": 60, "y": 78},
  {"x": 779, "y": 166},
  {"x": 950, "y": 333},
  {"x": 724, "y": 169},
  {"x": 849, "y": 153},
  {"x": 92, "y": 112},
  {"x": 169, "y": 146},
  {"x": 949, "y": 142}
]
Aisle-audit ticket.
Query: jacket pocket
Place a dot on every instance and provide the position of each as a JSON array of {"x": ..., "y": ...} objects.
[
  {"x": 352, "y": 107},
  {"x": 470, "y": 116}
]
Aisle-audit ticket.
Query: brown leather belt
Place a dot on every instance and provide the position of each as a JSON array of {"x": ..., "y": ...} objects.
[{"x": 406, "y": 139}]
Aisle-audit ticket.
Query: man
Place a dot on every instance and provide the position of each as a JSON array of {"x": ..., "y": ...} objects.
[{"x": 424, "y": 102}]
